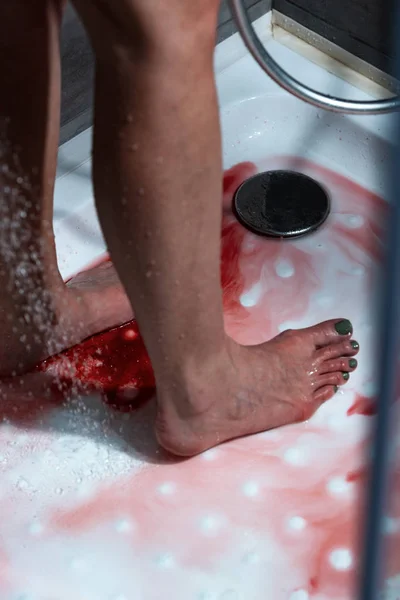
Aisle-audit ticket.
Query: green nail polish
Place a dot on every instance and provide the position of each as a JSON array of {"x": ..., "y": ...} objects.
[
  {"x": 344, "y": 327},
  {"x": 346, "y": 376},
  {"x": 353, "y": 363},
  {"x": 355, "y": 345},
  {"x": 336, "y": 388}
]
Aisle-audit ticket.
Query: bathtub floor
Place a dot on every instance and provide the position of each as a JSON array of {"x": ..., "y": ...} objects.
[{"x": 92, "y": 509}]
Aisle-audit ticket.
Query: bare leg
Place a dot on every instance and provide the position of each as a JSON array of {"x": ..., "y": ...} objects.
[
  {"x": 38, "y": 314},
  {"x": 157, "y": 176}
]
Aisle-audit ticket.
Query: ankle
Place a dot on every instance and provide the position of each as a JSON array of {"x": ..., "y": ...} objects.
[{"x": 189, "y": 386}]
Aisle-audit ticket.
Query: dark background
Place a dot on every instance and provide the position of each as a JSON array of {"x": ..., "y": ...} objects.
[{"x": 360, "y": 26}]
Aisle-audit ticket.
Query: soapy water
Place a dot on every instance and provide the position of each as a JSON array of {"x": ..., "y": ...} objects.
[
  {"x": 279, "y": 512},
  {"x": 25, "y": 294}
]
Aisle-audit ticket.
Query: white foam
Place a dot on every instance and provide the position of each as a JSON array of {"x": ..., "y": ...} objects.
[
  {"x": 229, "y": 595},
  {"x": 205, "y": 596},
  {"x": 23, "y": 484}
]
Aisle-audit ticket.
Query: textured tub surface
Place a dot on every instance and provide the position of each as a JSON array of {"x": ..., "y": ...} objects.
[{"x": 92, "y": 509}]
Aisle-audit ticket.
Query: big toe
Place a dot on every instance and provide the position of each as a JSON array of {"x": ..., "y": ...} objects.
[{"x": 330, "y": 332}]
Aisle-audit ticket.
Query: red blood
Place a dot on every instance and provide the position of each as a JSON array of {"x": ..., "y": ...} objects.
[
  {"x": 232, "y": 238},
  {"x": 313, "y": 585},
  {"x": 233, "y": 178},
  {"x": 115, "y": 362},
  {"x": 231, "y": 279},
  {"x": 363, "y": 406},
  {"x": 358, "y": 475}
]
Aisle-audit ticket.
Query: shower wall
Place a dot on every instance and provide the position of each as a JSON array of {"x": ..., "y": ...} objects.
[
  {"x": 362, "y": 27},
  {"x": 78, "y": 65}
]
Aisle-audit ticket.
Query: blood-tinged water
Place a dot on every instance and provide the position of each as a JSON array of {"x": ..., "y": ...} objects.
[
  {"x": 363, "y": 405},
  {"x": 259, "y": 483}
]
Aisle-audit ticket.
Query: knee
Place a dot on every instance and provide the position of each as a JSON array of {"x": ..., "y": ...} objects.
[
  {"x": 178, "y": 30},
  {"x": 172, "y": 30}
]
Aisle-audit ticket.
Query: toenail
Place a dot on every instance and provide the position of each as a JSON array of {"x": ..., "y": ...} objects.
[
  {"x": 353, "y": 363},
  {"x": 335, "y": 388},
  {"x": 355, "y": 345},
  {"x": 346, "y": 375},
  {"x": 344, "y": 327}
]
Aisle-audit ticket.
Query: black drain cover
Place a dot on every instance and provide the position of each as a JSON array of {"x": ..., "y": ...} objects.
[{"x": 281, "y": 204}]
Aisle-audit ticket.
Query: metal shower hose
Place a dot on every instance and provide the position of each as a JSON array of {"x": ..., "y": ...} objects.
[{"x": 295, "y": 87}]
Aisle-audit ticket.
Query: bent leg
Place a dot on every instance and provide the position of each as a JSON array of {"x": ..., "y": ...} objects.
[
  {"x": 39, "y": 315},
  {"x": 29, "y": 124}
]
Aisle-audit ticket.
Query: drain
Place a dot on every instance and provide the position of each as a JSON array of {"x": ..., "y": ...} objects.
[{"x": 281, "y": 204}]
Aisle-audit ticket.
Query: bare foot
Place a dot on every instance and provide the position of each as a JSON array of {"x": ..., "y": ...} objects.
[
  {"x": 256, "y": 388},
  {"x": 91, "y": 302}
]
